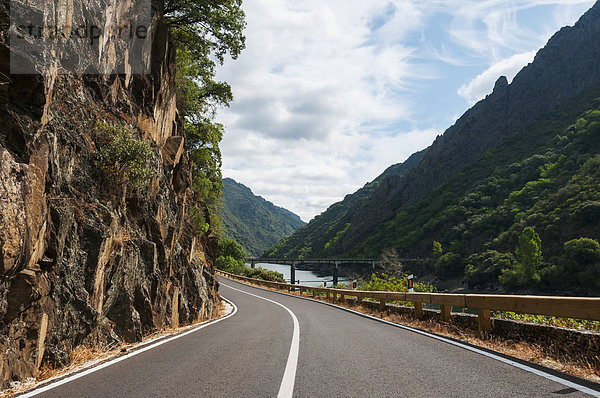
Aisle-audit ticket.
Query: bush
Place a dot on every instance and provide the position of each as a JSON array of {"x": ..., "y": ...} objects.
[
  {"x": 231, "y": 257},
  {"x": 585, "y": 251},
  {"x": 124, "y": 159},
  {"x": 385, "y": 283},
  {"x": 261, "y": 273},
  {"x": 448, "y": 265},
  {"x": 484, "y": 269}
]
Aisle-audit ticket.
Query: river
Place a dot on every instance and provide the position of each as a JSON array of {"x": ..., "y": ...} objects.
[{"x": 307, "y": 278}]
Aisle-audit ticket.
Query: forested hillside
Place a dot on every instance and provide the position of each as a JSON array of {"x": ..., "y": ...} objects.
[
  {"x": 252, "y": 221},
  {"x": 510, "y": 192}
]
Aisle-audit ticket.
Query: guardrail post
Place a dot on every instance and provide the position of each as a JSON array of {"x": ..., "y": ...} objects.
[
  {"x": 445, "y": 313},
  {"x": 381, "y": 304},
  {"x": 314, "y": 293},
  {"x": 301, "y": 290},
  {"x": 418, "y": 310},
  {"x": 358, "y": 300},
  {"x": 342, "y": 298},
  {"x": 484, "y": 320}
]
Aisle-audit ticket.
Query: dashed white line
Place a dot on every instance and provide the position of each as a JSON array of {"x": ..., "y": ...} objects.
[{"x": 286, "y": 390}]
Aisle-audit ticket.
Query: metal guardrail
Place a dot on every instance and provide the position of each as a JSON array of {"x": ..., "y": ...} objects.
[{"x": 568, "y": 307}]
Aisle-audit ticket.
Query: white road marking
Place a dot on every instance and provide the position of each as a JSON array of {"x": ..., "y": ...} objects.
[
  {"x": 507, "y": 361},
  {"x": 515, "y": 364},
  {"x": 286, "y": 390},
  {"x": 117, "y": 360}
]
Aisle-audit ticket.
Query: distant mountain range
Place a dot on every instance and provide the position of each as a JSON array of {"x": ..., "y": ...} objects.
[
  {"x": 253, "y": 222},
  {"x": 523, "y": 156}
]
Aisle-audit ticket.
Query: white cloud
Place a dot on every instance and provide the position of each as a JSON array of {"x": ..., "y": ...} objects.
[
  {"x": 323, "y": 86},
  {"x": 492, "y": 30},
  {"x": 316, "y": 81},
  {"x": 483, "y": 84}
]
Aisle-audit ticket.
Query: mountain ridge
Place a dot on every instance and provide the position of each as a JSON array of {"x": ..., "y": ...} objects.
[
  {"x": 555, "y": 88},
  {"x": 252, "y": 221}
]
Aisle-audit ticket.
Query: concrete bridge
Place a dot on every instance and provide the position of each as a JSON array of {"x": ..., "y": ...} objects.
[{"x": 335, "y": 264}]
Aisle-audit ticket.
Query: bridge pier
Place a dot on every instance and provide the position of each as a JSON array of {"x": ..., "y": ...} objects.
[
  {"x": 293, "y": 272},
  {"x": 252, "y": 264},
  {"x": 336, "y": 270}
]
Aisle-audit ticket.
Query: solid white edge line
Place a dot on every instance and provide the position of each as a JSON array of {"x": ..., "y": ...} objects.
[
  {"x": 518, "y": 365},
  {"x": 286, "y": 390},
  {"x": 124, "y": 357}
]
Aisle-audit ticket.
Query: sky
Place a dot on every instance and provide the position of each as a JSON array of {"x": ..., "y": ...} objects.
[{"x": 329, "y": 93}]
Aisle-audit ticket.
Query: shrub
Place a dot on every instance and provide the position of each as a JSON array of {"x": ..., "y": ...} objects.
[
  {"x": 231, "y": 257},
  {"x": 200, "y": 220},
  {"x": 485, "y": 268},
  {"x": 124, "y": 159},
  {"x": 384, "y": 283},
  {"x": 585, "y": 251},
  {"x": 261, "y": 273},
  {"x": 450, "y": 264}
]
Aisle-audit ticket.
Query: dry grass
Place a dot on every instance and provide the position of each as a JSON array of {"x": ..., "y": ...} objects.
[
  {"x": 516, "y": 349},
  {"x": 83, "y": 357}
]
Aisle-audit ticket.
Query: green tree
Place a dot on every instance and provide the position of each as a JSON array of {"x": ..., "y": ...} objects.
[
  {"x": 529, "y": 252},
  {"x": 204, "y": 32},
  {"x": 484, "y": 269},
  {"x": 437, "y": 250},
  {"x": 390, "y": 261},
  {"x": 231, "y": 256},
  {"x": 529, "y": 260}
]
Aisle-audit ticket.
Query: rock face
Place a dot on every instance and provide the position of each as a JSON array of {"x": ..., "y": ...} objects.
[{"x": 76, "y": 265}]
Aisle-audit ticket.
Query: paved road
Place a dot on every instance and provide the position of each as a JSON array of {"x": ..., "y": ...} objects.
[{"x": 340, "y": 354}]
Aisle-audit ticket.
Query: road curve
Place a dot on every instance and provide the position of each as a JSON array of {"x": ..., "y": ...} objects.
[{"x": 340, "y": 354}]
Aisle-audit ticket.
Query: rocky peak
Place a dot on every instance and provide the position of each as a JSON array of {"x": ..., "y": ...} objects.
[
  {"x": 501, "y": 84},
  {"x": 566, "y": 67}
]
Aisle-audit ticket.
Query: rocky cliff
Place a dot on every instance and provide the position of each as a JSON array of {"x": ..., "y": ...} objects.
[{"x": 77, "y": 265}]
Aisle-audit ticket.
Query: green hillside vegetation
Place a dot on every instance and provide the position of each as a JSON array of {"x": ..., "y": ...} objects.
[
  {"x": 231, "y": 258},
  {"x": 252, "y": 221},
  {"x": 317, "y": 238},
  {"x": 526, "y": 216}
]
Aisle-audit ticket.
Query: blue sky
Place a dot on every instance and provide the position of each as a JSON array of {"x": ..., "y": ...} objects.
[{"x": 329, "y": 93}]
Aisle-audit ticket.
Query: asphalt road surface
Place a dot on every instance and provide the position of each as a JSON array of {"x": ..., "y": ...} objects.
[{"x": 256, "y": 353}]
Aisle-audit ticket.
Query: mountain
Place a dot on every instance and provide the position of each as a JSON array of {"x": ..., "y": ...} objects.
[
  {"x": 253, "y": 222},
  {"x": 462, "y": 190}
]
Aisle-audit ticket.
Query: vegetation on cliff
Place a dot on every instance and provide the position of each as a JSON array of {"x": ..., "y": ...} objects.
[
  {"x": 124, "y": 159},
  {"x": 252, "y": 221},
  {"x": 204, "y": 33},
  {"x": 77, "y": 266}
]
